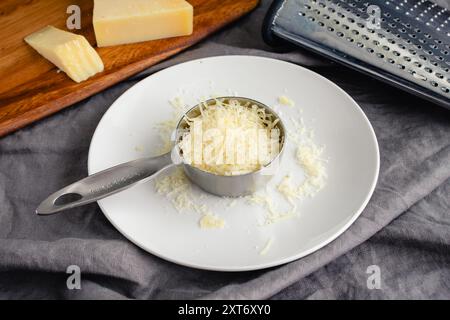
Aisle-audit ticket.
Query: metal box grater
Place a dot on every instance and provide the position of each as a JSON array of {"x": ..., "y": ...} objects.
[{"x": 409, "y": 48}]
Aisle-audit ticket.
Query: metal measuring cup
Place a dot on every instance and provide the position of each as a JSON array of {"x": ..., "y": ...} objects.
[{"x": 121, "y": 177}]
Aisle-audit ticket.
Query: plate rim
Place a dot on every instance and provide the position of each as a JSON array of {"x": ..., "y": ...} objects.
[{"x": 265, "y": 265}]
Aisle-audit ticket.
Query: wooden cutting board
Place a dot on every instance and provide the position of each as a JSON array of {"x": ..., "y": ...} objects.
[{"x": 30, "y": 86}]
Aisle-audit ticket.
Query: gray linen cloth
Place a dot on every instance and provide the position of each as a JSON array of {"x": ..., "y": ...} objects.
[{"x": 405, "y": 229}]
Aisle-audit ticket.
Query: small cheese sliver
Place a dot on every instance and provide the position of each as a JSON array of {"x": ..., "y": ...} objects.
[
  {"x": 129, "y": 21},
  {"x": 70, "y": 52}
]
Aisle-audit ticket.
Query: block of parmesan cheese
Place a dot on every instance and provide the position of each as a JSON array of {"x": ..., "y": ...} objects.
[
  {"x": 70, "y": 52},
  {"x": 129, "y": 21}
]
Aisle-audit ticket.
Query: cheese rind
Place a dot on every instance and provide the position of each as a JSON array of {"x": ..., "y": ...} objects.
[
  {"x": 70, "y": 52},
  {"x": 130, "y": 21}
]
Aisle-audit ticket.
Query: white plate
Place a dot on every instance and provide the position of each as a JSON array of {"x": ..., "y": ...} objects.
[{"x": 150, "y": 221}]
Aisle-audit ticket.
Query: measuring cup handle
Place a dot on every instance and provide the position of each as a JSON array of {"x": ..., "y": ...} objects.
[{"x": 103, "y": 184}]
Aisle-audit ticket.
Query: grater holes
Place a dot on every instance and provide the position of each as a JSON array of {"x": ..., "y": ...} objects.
[
  {"x": 406, "y": 58},
  {"x": 370, "y": 50},
  {"x": 418, "y": 64},
  {"x": 423, "y": 57},
  {"x": 339, "y": 34},
  {"x": 392, "y": 41},
  {"x": 391, "y": 61},
  {"x": 412, "y": 51},
  {"x": 360, "y": 44},
  {"x": 365, "y": 37},
  {"x": 445, "y": 90},
  {"x": 428, "y": 70},
  {"x": 380, "y": 55},
  {"x": 400, "y": 66},
  {"x": 312, "y": 19},
  {"x": 346, "y": 27},
  {"x": 396, "y": 53},
  {"x": 376, "y": 42},
  {"x": 359, "y": 24},
  {"x": 434, "y": 83},
  {"x": 335, "y": 21},
  {"x": 439, "y": 75},
  {"x": 350, "y": 39},
  {"x": 330, "y": 29},
  {"x": 355, "y": 32},
  {"x": 385, "y": 48}
]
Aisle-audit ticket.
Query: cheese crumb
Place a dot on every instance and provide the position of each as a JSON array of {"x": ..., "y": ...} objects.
[
  {"x": 286, "y": 101},
  {"x": 267, "y": 247},
  {"x": 209, "y": 221},
  {"x": 273, "y": 215}
]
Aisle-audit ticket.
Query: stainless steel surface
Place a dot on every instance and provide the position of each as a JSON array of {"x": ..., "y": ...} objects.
[
  {"x": 410, "y": 49},
  {"x": 104, "y": 184},
  {"x": 124, "y": 176}
]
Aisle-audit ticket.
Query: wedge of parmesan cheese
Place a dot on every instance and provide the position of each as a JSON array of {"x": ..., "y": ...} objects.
[{"x": 70, "y": 52}]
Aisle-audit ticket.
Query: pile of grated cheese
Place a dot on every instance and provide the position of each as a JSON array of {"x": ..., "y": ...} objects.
[
  {"x": 176, "y": 187},
  {"x": 309, "y": 157},
  {"x": 223, "y": 118}
]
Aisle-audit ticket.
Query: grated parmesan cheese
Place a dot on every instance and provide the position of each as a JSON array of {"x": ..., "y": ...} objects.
[
  {"x": 267, "y": 247},
  {"x": 176, "y": 187},
  {"x": 286, "y": 101},
  {"x": 223, "y": 118},
  {"x": 273, "y": 215},
  {"x": 209, "y": 221}
]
